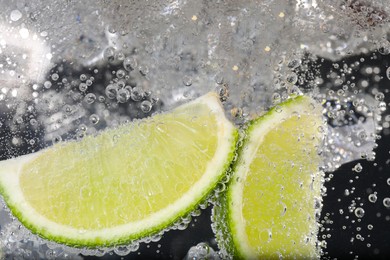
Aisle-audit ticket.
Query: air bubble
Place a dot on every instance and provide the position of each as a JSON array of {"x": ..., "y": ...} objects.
[
  {"x": 386, "y": 202},
  {"x": 223, "y": 93},
  {"x": 278, "y": 109},
  {"x": 136, "y": 94},
  {"x": 187, "y": 81},
  {"x": 144, "y": 70},
  {"x": 372, "y": 198},
  {"x": 54, "y": 76},
  {"x": 88, "y": 82},
  {"x": 121, "y": 83},
  {"x": 359, "y": 212},
  {"x": 292, "y": 78},
  {"x": 362, "y": 135},
  {"x": 122, "y": 250},
  {"x": 357, "y": 168},
  {"x": 276, "y": 98},
  {"x": 201, "y": 251},
  {"x": 109, "y": 54},
  {"x": 321, "y": 129},
  {"x": 83, "y": 87},
  {"x": 68, "y": 109},
  {"x": 90, "y": 98},
  {"x": 111, "y": 91},
  {"x": 83, "y": 77},
  {"x": 123, "y": 95},
  {"x": 380, "y": 96},
  {"x": 146, "y": 106},
  {"x": 15, "y": 15},
  {"x": 236, "y": 112},
  {"x": 94, "y": 119},
  {"x": 82, "y": 128},
  {"x": 382, "y": 106},
  {"x": 33, "y": 122},
  {"x": 218, "y": 78},
  {"x": 120, "y": 74},
  {"x": 293, "y": 64},
  {"x": 129, "y": 63},
  {"x": 47, "y": 84},
  {"x": 120, "y": 56},
  {"x": 384, "y": 49},
  {"x": 56, "y": 139}
]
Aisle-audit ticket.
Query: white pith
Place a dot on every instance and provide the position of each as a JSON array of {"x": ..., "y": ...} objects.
[{"x": 10, "y": 171}]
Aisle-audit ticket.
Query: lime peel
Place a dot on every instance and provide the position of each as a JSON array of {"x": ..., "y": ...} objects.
[{"x": 11, "y": 173}]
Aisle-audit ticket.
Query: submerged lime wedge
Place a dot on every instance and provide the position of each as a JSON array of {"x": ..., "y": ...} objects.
[
  {"x": 125, "y": 183},
  {"x": 269, "y": 209}
]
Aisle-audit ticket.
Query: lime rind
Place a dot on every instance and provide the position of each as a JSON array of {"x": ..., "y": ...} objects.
[
  {"x": 222, "y": 223},
  {"x": 131, "y": 232}
]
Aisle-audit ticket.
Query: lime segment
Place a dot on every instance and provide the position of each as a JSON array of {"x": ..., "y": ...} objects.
[
  {"x": 271, "y": 203},
  {"x": 125, "y": 183}
]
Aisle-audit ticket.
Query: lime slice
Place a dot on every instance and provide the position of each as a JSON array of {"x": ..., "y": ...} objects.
[
  {"x": 125, "y": 183},
  {"x": 271, "y": 203}
]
